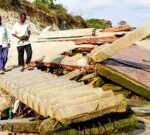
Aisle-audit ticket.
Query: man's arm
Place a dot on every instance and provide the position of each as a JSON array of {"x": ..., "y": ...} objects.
[
  {"x": 29, "y": 34},
  {"x": 29, "y": 31},
  {"x": 14, "y": 32},
  {"x": 20, "y": 38},
  {"x": 7, "y": 37}
]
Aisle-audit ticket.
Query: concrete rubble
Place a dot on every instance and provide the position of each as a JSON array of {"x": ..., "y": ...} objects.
[{"x": 79, "y": 51}]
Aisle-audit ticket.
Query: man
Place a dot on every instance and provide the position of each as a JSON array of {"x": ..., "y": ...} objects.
[
  {"x": 21, "y": 31},
  {"x": 4, "y": 45}
]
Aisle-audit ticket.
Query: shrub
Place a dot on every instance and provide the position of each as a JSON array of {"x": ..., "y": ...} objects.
[{"x": 98, "y": 23}]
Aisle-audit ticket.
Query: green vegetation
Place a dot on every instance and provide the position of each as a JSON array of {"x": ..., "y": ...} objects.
[
  {"x": 6, "y": 4},
  {"x": 44, "y": 3},
  {"x": 48, "y": 6},
  {"x": 45, "y": 13},
  {"x": 59, "y": 14},
  {"x": 98, "y": 23}
]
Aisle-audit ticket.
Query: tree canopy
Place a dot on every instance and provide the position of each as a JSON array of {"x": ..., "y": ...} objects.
[{"x": 98, "y": 23}]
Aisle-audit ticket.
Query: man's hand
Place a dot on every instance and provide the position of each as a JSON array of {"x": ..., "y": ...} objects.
[
  {"x": 8, "y": 45},
  {"x": 20, "y": 38},
  {"x": 24, "y": 38}
]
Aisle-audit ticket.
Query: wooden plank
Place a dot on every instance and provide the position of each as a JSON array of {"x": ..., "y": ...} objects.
[
  {"x": 79, "y": 49},
  {"x": 20, "y": 125},
  {"x": 109, "y": 34},
  {"x": 90, "y": 40},
  {"x": 73, "y": 74},
  {"x": 66, "y": 62},
  {"x": 141, "y": 110},
  {"x": 109, "y": 124},
  {"x": 144, "y": 43},
  {"x": 95, "y": 40},
  {"x": 118, "y": 29},
  {"x": 67, "y": 33},
  {"x": 102, "y": 53},
  {"x": 128, "y": 69}
]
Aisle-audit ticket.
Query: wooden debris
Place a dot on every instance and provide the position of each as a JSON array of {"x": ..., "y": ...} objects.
[
  {"x": 136, "y": 101},
  {"x": 45, "y": 51},
  {"x": 104, "y": 125},
  {"x": 50, "y": 126},
  {"x": 79, "y": 49},
  {"x": 64, "y": 66},
  {"x": 49, "y": 64},
  {"x": 73, "y": 74},
  {"x": 88, "y": 76},
  {"x": 135, "y": 77},
  {"x": 95, "y": 40},
  {"x": 109, "y": 86},
  {"x": 20, "y": 125},
  {"x": 116, "y": 89},
  {"x": 97, "y": 82},
  {"x": 144, "y": 43},
  {"x": 125, "y": 81},
  {"x": 110, "y": 34},
  {"x": 102, "y": 53},
  {"x": 84, "y": 49},
  {"x": 108, "y": 124},
  {"x": 118, "y": 29},
  {"x": 141, "y": 110}
]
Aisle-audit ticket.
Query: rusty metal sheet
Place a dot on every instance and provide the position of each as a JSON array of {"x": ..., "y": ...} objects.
[{"x": 134, "y": 63}]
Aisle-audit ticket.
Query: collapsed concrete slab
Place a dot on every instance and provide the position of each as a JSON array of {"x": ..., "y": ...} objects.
[
  {"x": 67, "y": 33},
  {"x": 59, "y": 98}
]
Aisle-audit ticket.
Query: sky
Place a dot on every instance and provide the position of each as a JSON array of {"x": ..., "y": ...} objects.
[{"x": 135, "y": 12}]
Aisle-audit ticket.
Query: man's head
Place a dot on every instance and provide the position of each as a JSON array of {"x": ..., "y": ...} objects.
[
  {"x": 23, "y": 17},
  {"x": 0, "y": 20}
]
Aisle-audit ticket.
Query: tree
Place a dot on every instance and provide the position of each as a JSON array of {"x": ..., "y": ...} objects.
[
  {"x": 98, "y": 23},
  {"x": 46, "y": 3},
  {"x": 122, "y": 22}
]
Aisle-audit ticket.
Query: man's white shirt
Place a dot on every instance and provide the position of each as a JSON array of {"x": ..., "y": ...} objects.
[
  {"x": 4, "y": 36},
  {"x": 22, "y": 30}
]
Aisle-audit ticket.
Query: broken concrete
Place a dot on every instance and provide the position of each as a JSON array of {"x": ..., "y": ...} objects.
[
  {"x": 67, "y": 33},
  {"x": 45, "y": 94}
]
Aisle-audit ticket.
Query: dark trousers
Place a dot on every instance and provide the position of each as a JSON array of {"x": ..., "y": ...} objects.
[
  {"x": 3, "y": 57},
  {"x": 21, "y": 50}
]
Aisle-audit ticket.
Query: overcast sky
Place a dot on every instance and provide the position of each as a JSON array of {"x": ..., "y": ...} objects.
[{"x": 135, "y": 12}]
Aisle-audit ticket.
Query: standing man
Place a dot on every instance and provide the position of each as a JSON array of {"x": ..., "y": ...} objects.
[
  {"x": 4, "y": 45},
  {"x": 21, "y": 31}
]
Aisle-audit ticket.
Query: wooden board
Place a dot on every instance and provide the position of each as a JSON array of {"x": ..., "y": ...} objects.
[
  {"x": 67, "y": 33},
  {"x": 102, "y": 53},
  {"x": 118, "y": 29},
  {"x": 129, "y": 70}
]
